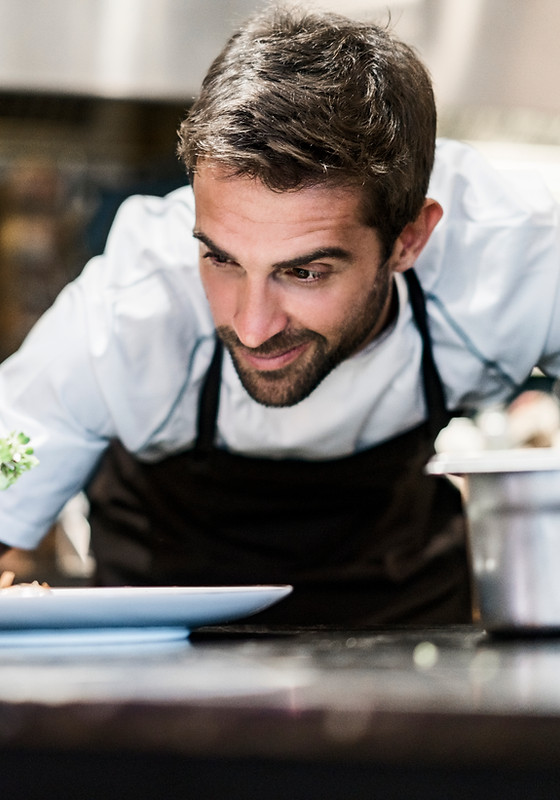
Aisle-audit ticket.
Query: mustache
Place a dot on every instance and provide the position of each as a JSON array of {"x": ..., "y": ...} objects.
[{"x": 279, "y": 343}]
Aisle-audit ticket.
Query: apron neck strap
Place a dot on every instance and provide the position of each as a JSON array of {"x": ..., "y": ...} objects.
[
  {"x": 208, "y": 402},
  {"x": 438, "y": 416}
]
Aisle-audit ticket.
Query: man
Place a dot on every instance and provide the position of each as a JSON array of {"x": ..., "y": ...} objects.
[{"x": 295, "y": 456}]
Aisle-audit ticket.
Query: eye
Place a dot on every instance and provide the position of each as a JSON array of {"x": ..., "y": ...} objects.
[
  {"x": 304, "y": 275},
  {"x": 217, "y": 258}
]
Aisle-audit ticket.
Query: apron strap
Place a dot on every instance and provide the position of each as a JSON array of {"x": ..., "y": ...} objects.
[
  {"x": 438, "y": 416},
  {"x": 208, "y": 403}
]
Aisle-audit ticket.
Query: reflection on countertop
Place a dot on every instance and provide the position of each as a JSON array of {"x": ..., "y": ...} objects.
[{"x": 403, "y": 713}]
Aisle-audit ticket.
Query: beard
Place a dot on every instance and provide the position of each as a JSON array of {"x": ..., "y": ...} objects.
[{"x": 291, "y": 384}]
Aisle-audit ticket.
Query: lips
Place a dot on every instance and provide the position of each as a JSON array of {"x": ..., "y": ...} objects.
[{"x": 272, "y": 361}]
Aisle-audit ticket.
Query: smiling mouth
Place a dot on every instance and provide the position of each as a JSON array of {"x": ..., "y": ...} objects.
[
  {"x": 277, "y": 353},
  {"x": 268, "y": 362}
]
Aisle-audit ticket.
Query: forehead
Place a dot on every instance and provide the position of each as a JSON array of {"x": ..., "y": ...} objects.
[{"x": 229, "y": 201}]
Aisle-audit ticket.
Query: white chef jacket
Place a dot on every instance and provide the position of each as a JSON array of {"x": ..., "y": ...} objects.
[{"x": 124, "y": 348}]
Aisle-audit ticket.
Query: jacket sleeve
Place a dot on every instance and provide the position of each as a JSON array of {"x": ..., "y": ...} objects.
[{"x": 49, "y": 391}]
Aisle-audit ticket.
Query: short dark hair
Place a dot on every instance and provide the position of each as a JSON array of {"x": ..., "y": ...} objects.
[{"x": 301, "y": 98}]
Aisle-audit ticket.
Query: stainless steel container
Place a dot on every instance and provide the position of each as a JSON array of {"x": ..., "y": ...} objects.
[{"x": 512, "y": 500}]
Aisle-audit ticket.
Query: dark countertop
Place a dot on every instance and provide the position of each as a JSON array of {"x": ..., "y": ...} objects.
[{"x": 442, "y": 712}]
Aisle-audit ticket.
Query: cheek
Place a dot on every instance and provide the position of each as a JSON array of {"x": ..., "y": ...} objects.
[
  {"x": 322, "y": 312},
  {"x": 215, "y": 291}
]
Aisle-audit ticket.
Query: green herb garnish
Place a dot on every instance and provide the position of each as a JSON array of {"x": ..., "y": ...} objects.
[{"x": 16, "y": 457}]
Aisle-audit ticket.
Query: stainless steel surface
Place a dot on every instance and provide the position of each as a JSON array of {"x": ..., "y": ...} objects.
[{"x": 514, "y": 536}]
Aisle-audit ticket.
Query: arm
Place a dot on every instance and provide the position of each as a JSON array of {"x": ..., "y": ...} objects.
[
  {"x": 108, "y": 360},
  {"x": 48, "y": 390}
]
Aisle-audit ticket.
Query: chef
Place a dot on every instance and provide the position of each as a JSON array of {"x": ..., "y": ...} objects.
[{"x": 250, "y": 379}]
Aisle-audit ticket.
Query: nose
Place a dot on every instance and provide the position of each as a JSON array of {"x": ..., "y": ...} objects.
[{"x": 259, "y": 313}]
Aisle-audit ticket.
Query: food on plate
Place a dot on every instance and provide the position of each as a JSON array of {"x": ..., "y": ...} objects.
[
  {"x": 531, "y": 420},
  {"x": 534, "y": 420},
  {"x": 7, "y": 585},
  {"x": 16, "y": 457},
  {"x": 7, "y": 579}
]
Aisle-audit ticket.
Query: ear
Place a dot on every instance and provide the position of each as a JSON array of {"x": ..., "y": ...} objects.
[{"x": 414, "y": 236}]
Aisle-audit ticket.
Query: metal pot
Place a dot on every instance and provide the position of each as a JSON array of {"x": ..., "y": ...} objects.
[{"x": 512, "y": 501}]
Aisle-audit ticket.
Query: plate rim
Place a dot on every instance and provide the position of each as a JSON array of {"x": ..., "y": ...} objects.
[
  {"x": 536, "y": 459},
  {"x": 151, "y": 606}
]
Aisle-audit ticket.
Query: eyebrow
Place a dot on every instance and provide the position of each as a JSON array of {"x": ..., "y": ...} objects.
[{"x": 299, "y": 261}]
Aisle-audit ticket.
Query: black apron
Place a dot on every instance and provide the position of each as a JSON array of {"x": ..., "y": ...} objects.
[{"x": 364, "y": 539}]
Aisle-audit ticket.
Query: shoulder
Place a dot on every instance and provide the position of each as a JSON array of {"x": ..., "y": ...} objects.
[
  {"x": 494, "y": 220},
  {"x": 491, "y": 268},
  {"x": 154, "y": 232},
  {"x": 143, "y": 298},
  {"x": 149, "y": 269},
  {"x": 148, "y": 325},
  {"x": 155, "y": 212}
]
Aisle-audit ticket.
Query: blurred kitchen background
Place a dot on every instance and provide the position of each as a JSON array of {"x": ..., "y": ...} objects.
[{"x": 92, "y": 93}]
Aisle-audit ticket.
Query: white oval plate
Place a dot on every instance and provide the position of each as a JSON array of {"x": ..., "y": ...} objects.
[{"x": 171, "y": 607}]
